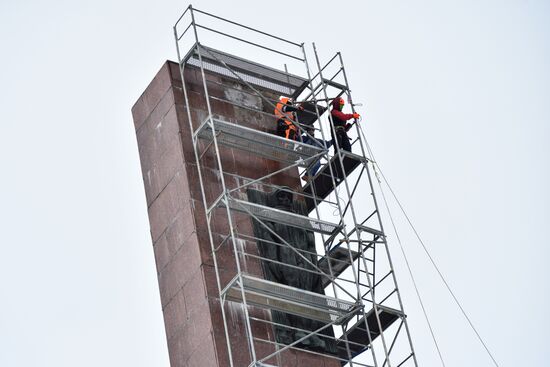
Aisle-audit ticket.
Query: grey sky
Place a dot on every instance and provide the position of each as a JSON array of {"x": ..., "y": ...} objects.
[{"x": 456, "y": 109}]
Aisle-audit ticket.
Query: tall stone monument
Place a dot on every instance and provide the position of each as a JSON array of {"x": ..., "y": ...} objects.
[{"x": 187, "y": 279}]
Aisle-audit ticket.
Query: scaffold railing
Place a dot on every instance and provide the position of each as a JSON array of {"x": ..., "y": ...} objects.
[
  {"x": 258, "y": 142},
  {"x": 357, "y": 303}
]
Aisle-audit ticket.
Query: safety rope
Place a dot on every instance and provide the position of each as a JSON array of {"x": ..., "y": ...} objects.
[
  {"x": 409, "y": 268},
  {"x": 374, "y": 162}
]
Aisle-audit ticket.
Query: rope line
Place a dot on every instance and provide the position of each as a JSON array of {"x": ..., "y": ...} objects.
[
  {"x": 426, "y": 251},
  {"x": 409, "y": 268}
]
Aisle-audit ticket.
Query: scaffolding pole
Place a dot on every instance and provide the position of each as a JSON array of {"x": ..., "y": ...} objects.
[{"x": 358, "y": 320}]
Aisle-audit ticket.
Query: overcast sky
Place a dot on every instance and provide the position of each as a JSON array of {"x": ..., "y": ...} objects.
[{"x": 456, "y": 103}]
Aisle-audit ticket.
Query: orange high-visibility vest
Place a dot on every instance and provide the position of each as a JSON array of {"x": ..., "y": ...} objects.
[{"x": 287, "y": 117}]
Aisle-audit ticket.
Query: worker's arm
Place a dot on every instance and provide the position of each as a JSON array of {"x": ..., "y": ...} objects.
[
  {"x": 342, "y": 116},
  {"x": 290, "y": 108}
]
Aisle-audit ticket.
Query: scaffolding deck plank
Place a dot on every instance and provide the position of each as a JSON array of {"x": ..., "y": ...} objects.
[
  {"x": 358, "y": 333},
  {"x": 339, "y": 261},
  {"x": 267, "y": 213},
  {"x": 322, "y": 181},
  {"x": 266, "y": 294},
  {"x": 263, "y": 76},
  {"x": 258, "y": 142}
]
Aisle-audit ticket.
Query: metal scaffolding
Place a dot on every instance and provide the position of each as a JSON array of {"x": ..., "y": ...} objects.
[{"x": 360, "y": 311}]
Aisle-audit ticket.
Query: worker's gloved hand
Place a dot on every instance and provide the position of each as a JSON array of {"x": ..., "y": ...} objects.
[{"x": 356, "y": 115}]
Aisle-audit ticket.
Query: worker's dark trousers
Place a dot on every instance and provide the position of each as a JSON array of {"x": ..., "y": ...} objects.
[{"x": 342, "y": 139}]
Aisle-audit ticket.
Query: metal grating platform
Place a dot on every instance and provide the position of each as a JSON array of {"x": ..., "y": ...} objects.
[
  {"x": 299, "y": 302},
  {"x": 260, "y": 143},
  {"x": 280, "y": 216},
  {"x": 357, "y": 334},
  {"x": 259, "y": 75},
  {"x": 323, "y": 181},
  {"x": 339, "y": 261}
]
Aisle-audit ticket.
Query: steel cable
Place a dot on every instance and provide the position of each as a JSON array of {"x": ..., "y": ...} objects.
[
  {"x": 375, "y": 163},
  {"x": 409, "y": 268}
]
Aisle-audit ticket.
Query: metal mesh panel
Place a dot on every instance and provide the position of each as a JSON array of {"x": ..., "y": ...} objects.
[
  {"x": 281, "y": 216},
  {"x": 260, "y": 143},
  {"x": 257, "y": 74},
  {"x": 222, "y": 70},
  {"x": 296, "y": 294},
  {"x": 252, "y": 67},
  {"x": 292, "y": 300}
]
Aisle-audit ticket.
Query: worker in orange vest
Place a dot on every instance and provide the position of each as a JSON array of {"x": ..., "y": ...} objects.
[{"x": 284, "y": 111}]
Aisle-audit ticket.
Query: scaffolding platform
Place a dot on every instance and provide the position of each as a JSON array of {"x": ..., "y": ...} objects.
[
  {"x": 339, "y": 261},
  {"x": 266, "y": 294},
  {"x": 258, "y": 142},
  {"x": 322, "y": 181},
  {"x": 259, "y": 75},
  {"x": 334, "y": 84},
  {"x": 328, "y": 82},
  {"x": 375, "y": 232},
  {"x": 266, "y": 213},
  {"x": 309, "y": 115},
  {"x": 357, "y": 335}
]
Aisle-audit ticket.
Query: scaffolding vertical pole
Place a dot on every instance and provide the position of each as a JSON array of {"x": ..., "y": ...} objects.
[
  {"x": 224, "y": 197},
  {"x": 203, "y": 195},
  {"x": 313, "y": 190},
  {"x": 338, "y": 149},
  {"x": 357, "y": 229},
  {"x": 379, "y": 218}
]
